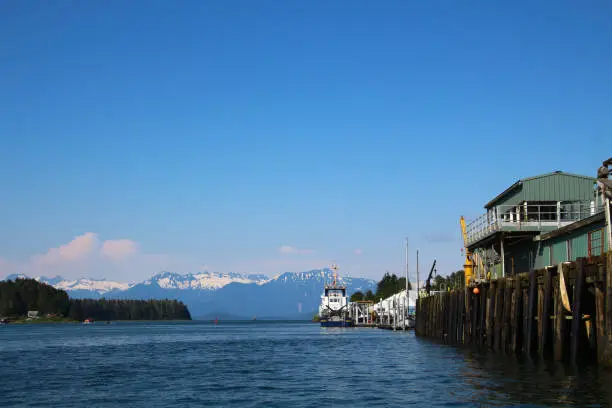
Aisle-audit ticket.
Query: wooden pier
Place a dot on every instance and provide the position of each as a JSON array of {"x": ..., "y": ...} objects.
[{"x": 561, "y": 312}]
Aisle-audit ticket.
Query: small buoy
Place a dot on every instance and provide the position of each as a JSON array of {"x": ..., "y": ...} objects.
[{"x": 476, "y": 291}]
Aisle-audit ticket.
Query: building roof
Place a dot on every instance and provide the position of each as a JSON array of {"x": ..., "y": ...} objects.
[
  {"x": 519, "y": 182},
  {"x": 573, "y": 226}
]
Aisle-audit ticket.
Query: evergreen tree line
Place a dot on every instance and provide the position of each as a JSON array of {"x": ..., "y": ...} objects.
[
  {"x": 388, "y": 286},
  {"x": 455, "y": 280},
  {"x": 19, "y": 296}
]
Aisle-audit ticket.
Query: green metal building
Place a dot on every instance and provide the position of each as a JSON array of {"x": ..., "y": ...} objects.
[
  {"x": 529, "y": 224},
  {"x": 585, "y": 238}
]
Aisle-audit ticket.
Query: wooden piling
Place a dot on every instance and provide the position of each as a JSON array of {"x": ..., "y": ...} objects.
[
  {"x": 506, "y": 317},
  {"x": 577, "y": 325},
  {"x": 600, "y": 320},
  {"x": 514, "y": 316},
  {"x": 544, "y": 341},
  {"x": 607, "y": 346},
  {"x": 561, "y": 312},
  {"x": 490, "y": 313},
  {"x": 561, "y": 346},
  {"x": 531, "y": 312},
  {"x": 525, "y": 315},
  {"x": 499, "y": 313},
  {"x": 482, "y": 333}
]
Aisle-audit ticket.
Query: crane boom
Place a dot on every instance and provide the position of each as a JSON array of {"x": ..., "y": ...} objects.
[
  {"x": 468, "y": 266},
  {"x": 428, "y": 282}
]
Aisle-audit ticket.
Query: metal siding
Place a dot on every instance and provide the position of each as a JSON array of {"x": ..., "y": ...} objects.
[
  {"x": 580, "y": 246},
  {"x": 516, "y": 197},
  {"x": 542, "y": 257},
  {"x": 559, "y": 251},
  {"x": 557, "y": 187}
]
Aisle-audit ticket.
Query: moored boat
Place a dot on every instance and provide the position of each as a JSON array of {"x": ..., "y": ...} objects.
[{"x": 333, "y": 310}]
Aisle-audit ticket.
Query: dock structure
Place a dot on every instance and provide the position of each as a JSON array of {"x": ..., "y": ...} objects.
[
  {"x": 538, "y": 272},
  {"x": 361, "y": 313},
  {"x": 562, "y": 312},
  {"x": 394, "y": 313}
]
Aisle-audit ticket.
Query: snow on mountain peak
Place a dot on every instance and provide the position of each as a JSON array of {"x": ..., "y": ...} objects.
[
  {"x": 324, "y": 275},
  {"x": 202, "y": 280},
  {"x": 100, "y": 286}
]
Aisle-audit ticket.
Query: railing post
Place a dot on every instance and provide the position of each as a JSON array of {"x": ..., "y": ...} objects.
[{"x": 539, "y": 217}]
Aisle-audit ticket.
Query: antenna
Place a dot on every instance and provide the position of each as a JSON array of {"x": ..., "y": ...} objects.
[{"x": 334, "y": 268}]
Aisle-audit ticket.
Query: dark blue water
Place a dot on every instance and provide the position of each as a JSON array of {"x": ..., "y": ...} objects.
[{"x": 265, "y": 364}]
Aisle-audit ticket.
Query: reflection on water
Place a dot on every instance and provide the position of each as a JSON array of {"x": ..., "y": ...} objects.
[
  {"x": 268, "y": 364},
  {"x": 525, "y": 381}
]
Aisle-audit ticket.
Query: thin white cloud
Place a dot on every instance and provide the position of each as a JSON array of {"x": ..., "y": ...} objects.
[
  {"x": 287, "y": 249},
  {"x": 118, "y": 249},
  {"x": 77, "y": 249},
  {"x": 358, "y": 252}
]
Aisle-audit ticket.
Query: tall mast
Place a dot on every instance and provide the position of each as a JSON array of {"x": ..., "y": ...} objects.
[
  {"x": 334, "y": 267},
  {"x": 407, "y": 273},
  {"x": 417, "y": 273}
]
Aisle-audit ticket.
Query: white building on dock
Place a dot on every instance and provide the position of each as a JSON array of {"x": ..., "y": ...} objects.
[{"x": 395, "y": 312}]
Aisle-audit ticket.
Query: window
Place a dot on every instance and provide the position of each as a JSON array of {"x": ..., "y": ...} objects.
[
  {"x": 569, "y": 249},
  {"x": 551, "y": 258},
  {"x": 595, "y": 242}
]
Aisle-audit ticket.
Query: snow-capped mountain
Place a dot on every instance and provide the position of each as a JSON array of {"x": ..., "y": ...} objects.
[
  {"x": 202, "y": 280},
  {"x": 84, "y": 287},
  {"x": 325, "y": 276},
  {"x": 95, "y": 288},
  {"x": 100, "y": 286},
  {"x": 287, "y": 295}
]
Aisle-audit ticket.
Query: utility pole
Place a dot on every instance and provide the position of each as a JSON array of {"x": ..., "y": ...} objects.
[
  {"x": 407, "y": 273},
  {"x": 418, "y": 274}
]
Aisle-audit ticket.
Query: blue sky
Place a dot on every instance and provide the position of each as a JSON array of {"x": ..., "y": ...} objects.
[{"x": 163, "y": 135}]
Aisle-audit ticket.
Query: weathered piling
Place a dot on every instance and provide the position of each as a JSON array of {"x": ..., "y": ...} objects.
[{"x": 562, "y": 312}]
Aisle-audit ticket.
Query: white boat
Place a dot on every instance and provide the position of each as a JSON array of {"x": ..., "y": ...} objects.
[{"x": 333, "y": 310}]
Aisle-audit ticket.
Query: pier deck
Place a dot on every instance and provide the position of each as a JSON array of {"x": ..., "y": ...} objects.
[{"x": 562, "y": 312}]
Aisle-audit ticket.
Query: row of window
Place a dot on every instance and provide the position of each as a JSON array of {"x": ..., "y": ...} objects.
[{"x": 595, "y": 241}]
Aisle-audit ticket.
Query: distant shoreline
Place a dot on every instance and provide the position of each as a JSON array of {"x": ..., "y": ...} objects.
[{"x": 45, "y": 320}]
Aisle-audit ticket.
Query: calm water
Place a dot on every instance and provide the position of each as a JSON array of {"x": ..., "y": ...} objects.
[{"x": 268, "y": 364}]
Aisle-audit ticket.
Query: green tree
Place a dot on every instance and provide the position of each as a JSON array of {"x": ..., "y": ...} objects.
[
  {"x": 17, "y": 297},
  {"x": 357, "y": 297}
]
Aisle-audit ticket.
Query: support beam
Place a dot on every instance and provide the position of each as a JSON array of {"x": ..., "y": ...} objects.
[{"x": 503, "y": 256}]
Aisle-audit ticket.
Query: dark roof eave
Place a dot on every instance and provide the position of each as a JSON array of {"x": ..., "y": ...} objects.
[
  {"x": 572, "y": 227},
  {"x": 520, "y": 182},
  {"x": 503, "y": 193},
  {"x": 493, "y": 237}
]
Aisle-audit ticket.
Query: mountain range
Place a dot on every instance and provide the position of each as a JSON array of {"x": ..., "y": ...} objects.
[{"x": 290, "y": 295}]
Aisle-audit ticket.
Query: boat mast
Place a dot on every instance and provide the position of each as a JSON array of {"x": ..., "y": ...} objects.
[
  {"x": 407, "y": 273},
  {"x": 417, "y": 273},
  {"x": 334, "y": 268}
]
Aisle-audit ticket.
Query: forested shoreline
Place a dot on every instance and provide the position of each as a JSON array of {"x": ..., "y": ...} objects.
[
  {"x": 389, "y": 285},
  {"x": 22, "y": 295}
]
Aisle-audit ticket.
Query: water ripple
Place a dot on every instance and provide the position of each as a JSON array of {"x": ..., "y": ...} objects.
[{"x": 266, "y": 364}]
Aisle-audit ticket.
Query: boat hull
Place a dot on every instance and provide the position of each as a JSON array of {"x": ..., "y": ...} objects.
[{"x": 336, "y": 323}]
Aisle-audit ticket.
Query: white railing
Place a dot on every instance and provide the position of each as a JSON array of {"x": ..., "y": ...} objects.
[{"x": 529, "y": 217}]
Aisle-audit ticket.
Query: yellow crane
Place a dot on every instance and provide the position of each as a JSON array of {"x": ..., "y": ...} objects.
[{"x": 468, "y": 267}]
